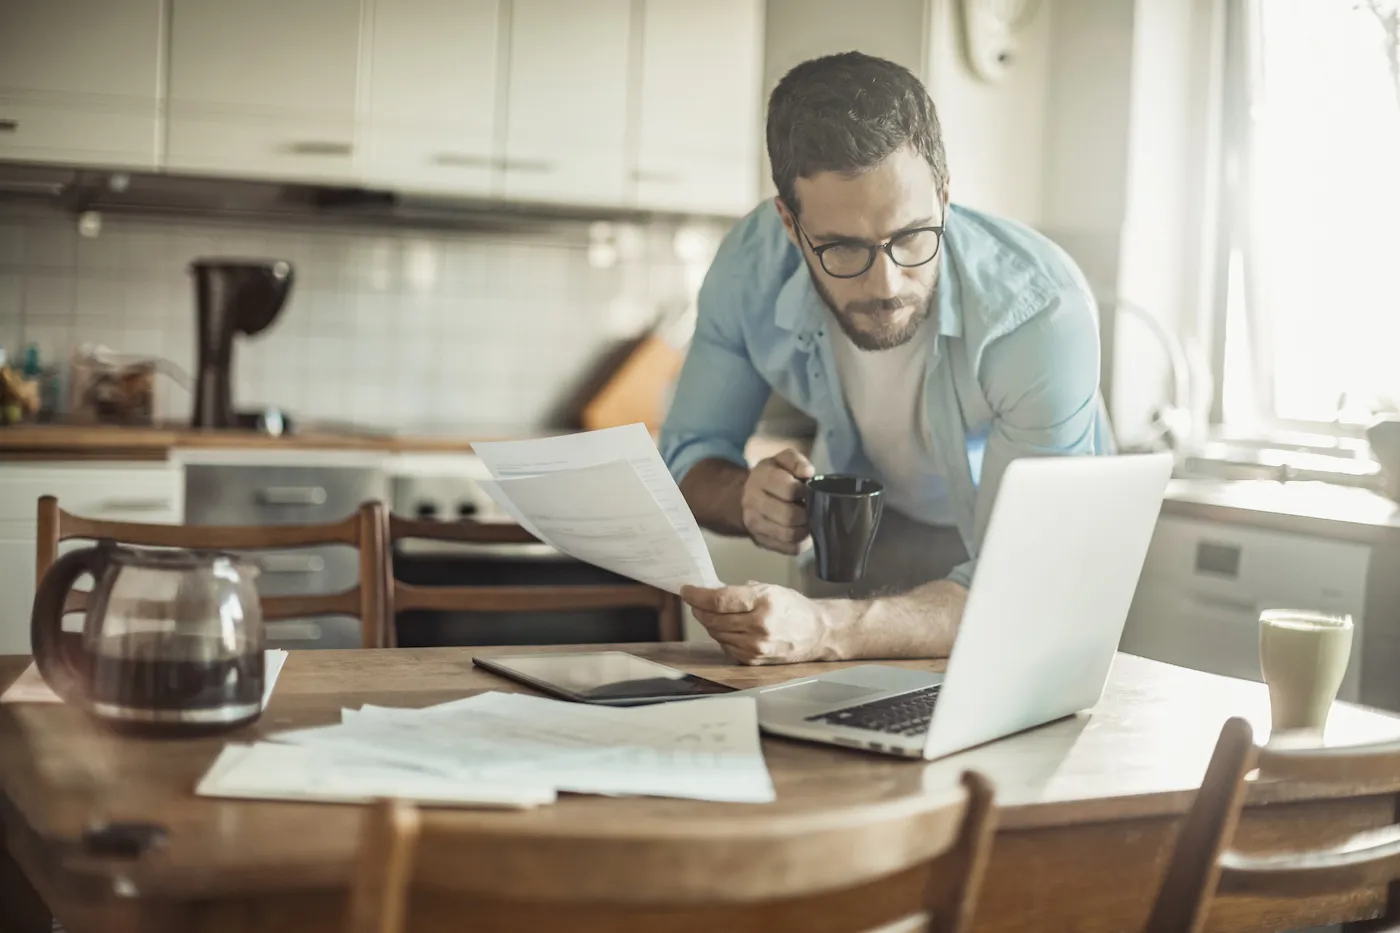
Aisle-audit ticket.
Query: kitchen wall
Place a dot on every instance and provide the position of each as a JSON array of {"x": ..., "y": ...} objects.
[
  {"x": 994, "y": 132},
  {"x": 385, "y": 326}
]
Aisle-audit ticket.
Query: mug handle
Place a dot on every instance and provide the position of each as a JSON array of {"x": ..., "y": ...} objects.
[{"x": 59, "y": 655}]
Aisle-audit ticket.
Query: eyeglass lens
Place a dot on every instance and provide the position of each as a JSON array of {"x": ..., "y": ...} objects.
[{"x": 913, "y": 248}]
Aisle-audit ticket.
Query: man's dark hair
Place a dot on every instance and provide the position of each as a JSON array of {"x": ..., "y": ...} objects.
[{"x": 847, "y": 113}]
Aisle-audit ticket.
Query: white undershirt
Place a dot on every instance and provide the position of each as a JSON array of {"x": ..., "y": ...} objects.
[{"x": 884, "y": 392}]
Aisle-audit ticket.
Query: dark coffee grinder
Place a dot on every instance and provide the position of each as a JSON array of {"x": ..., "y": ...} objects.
[{"x": 232, "y": 297}]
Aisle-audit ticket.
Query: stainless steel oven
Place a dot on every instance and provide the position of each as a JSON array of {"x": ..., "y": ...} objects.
[{"x": 453, "y": 495}]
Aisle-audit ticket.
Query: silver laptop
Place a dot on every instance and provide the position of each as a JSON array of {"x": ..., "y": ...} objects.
[{"x": 1059, "y": 564}]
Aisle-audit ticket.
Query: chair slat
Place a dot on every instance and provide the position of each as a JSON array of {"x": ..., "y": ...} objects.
[
  {"x": 363, "y": 530},
  {"x": 1203, "y": 866},
  {"x": 1363, "y": 860},
  {"x": 841, "y": 871}
]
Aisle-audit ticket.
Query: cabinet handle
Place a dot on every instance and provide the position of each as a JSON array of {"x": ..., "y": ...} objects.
[
  {"x": 461, "y": 159},
  {"x": 292, "y": 563},
  {"x": 1228, "y": 603},
  {"x": 665, "y": 178},
  {"x": 293, "y": 631},
  {"x": 527, "y": 165},
  {"x": 137, "y": 505},
  {"x": 321, "y": 147},
  {"x": 292, "y": 495},
  {"x": 9, "y": 126}
]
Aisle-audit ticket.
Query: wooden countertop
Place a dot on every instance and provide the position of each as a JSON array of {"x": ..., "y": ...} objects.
[
  {"x": 55, "y": 442},
  {"x": 107, "y": 442}
]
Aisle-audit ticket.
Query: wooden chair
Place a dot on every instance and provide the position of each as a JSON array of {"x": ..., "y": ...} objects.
[
  {"x": 841, "y": 871},
  {"x": 404, "y": 597},
  {"x": 364, "y": 531},
  {"x": 1202, "y": 864}
]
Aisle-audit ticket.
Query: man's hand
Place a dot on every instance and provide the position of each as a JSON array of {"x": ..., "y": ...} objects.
[
  {"x": 759, "y": 623},
  {"x": 774, "y": 513}
]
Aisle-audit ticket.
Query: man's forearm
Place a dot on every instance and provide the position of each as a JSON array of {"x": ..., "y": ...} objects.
[
  {"x": 921, "y": 623},
  {"x": 714, "y": 490}
]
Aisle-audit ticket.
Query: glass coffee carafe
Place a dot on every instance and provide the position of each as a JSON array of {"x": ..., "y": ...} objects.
[{"x": 172, "y": 642}]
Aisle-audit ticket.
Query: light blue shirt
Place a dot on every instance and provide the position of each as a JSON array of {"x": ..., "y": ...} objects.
[{"x": 1014, "y": 370}]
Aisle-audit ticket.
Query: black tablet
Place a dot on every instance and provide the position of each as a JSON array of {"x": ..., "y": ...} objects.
[{"x": 611, "y": 678}]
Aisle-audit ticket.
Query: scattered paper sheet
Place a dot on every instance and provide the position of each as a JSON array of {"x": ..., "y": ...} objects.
[
  {"x": 565, "y": 456},
  {"x": 30, "y": 687},
  {"x": 704, "y": 749},
  {"x": 273, "y": 771}
]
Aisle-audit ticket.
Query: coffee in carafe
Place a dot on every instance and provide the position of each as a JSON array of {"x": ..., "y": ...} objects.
[{"x": 172, "y": 642}]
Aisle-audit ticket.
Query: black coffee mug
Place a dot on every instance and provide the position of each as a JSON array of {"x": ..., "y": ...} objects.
[{"x": 843, "y": 512}]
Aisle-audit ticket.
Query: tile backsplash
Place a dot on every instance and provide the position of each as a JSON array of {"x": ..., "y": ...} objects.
[{"x": 385, "y": 326}]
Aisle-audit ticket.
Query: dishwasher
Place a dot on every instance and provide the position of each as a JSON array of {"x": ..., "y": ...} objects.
[{"x": 282, "y": 494}]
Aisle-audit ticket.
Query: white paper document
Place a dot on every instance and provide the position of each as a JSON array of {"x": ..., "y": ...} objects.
[
  {"x": 700, "y": 749},
  {"x": 30, "y": 687},
  {"x": 605, "y": 497},
  {"x": 275, "y": 771},
  {"x": 605, "y": 515}
]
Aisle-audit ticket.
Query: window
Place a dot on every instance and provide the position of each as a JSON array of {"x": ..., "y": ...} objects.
[{"x": 1312, "y": 324}]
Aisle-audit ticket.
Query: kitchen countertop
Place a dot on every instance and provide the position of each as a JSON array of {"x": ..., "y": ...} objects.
[
  {"x": 1311, "y": 508},
  {"x": 110, "y": 442},
  {"x": 64, "y": 442}
]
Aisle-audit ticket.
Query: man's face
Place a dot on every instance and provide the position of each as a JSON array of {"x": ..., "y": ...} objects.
[{"x": 884, "y": 307}]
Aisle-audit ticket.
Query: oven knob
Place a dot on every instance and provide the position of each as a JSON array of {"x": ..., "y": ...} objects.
[
  {"x": 427, "y": 511},
  {"x": 466, "y": 509}
]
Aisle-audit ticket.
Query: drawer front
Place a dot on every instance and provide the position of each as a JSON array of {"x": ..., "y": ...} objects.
[
  {"x": 329, "y": 632},
  {"x": 277, "y": 495},
  {"x": 307, "y": 571},
  {"x": 108, "y": 491}
]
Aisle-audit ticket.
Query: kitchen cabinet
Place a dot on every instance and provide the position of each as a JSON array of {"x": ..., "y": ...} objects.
[
  {"x": 703, "y": 155},
  {"x": 566, "y": 137},
  {"x": 111, "y": 491},
  {"x": 264, "y": 88},
  {"x": 429, "y": 117},
  {"x": 80, "y": 81}
]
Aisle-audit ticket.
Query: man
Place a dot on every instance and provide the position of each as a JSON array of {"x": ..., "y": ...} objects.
[{"x": 931, "y": 344}]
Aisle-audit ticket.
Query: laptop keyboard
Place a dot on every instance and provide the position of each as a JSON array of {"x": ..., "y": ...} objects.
[{"x": 906, "y": 714}]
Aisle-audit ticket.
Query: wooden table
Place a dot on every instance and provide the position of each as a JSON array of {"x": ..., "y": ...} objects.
[{"x": 1090, "y": 803}]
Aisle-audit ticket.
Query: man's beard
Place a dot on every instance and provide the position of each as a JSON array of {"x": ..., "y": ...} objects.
[{"x": 883, "y": 337}]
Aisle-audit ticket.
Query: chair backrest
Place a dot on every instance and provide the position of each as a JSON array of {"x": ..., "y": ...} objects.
[
  {"x": 403, "y": 597},
  {"x": 363, "y": 530},
  {"x": 1203, "y": 864},
  {"x": 839, "y": 871}
]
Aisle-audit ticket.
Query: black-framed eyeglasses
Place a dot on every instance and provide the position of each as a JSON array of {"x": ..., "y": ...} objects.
[{"x": 850, "y": 259}]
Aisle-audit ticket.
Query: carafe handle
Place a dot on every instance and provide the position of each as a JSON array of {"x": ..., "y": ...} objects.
[{"x": 59, "y": 655}]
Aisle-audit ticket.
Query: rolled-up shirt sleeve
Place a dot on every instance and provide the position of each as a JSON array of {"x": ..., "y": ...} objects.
[
  {"x": 719, "y": 395},
  {"x": 1042, "y": 381}
]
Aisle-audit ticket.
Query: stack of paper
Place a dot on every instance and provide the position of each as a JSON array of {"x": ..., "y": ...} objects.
[
  {"x": 505, "y": 749},
  {"x": 604, "y": 497}
]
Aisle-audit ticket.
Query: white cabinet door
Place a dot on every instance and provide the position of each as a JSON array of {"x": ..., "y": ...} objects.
[
  {"x": 567, "y": 101},
  {"x": 699, "y": 131},
  {"x": 264, "y": 88},
  {"x": 80, "y": 81},
  {"x": 429, "y": 117},
  {"x": 130, "y": 492}
]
